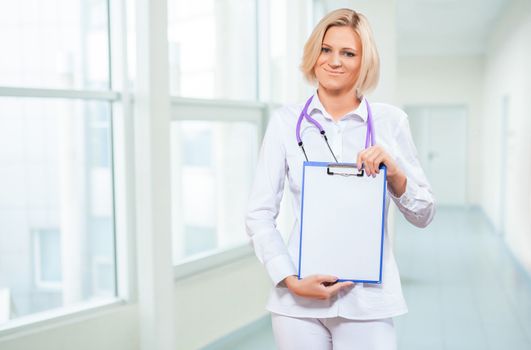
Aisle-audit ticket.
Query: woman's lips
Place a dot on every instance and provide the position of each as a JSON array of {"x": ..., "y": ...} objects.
[{"x": 332, "y": 72}]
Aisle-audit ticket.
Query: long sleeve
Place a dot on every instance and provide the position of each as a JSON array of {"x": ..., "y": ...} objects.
[
  {"x": 416, "y": 203},
  {"x": 264, "y": 204}
]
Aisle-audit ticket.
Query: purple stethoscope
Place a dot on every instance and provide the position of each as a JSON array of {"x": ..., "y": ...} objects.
[{"x": 369, "y": 135}]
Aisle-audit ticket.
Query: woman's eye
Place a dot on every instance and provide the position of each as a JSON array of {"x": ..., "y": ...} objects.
[
  {"x": 349, "y": 54},
  {"x": 325, "y": 49}
]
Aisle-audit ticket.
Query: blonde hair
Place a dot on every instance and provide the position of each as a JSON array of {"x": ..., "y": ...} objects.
[{"x": 370, "y": 61}]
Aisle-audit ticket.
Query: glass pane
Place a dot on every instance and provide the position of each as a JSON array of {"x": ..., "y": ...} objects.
[
  {"x": 212, "y": 167},
  {"x": 48, "y": 255},
  {"x": 212, "y": 48},
  {"x": 199, "y": 239},
  {"x": 56, "y": 204},
  {"x": 54, "y": 44},
  {"x": 278, "y": 45}
]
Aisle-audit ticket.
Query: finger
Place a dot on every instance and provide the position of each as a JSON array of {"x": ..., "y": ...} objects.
[
  {"x": 368, "y": 165},
  {"x": 327, "y": 284},
  {"x": 368, "y": 161},
  {"x": 377, "y": 161},
  {"x": 326, "y": 278},
  {"x": 366, "y": 153},
  {"x": 378, "y": 158},
  {"x": 383, "y": 157},
  {"x": 375, "y": 155},
  {"x": 364, "y": 160},
  {"x": 359, "y": 160},
  {"x": 333, "y": 290}
]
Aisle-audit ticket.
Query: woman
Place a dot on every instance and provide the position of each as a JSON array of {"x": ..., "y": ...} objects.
[{"x": 315, "y": 312}]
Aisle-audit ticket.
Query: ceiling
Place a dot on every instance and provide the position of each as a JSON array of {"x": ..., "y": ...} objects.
[
  {"x": 440, "y": 27},
  {"x": 445, "y": 27}
]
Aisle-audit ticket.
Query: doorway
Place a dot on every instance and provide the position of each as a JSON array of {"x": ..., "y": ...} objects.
[{"x": 439, "y": 132}]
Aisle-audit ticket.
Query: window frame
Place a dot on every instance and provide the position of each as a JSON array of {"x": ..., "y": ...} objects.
[
  {"x": 120, "y": 102},
  {"x": 121, "y": 99},
  {"x": 192, "y": 109},
  {"x": 66, "y": 313}
]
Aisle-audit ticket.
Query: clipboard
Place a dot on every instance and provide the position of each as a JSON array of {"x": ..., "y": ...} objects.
[{"x": 342, "y": 222}]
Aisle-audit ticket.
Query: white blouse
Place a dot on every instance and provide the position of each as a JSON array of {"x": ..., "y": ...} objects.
[{"x": 281, "y": 158}]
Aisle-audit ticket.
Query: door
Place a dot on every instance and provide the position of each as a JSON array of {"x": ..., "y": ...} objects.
[{"x": 439, "y": 132}]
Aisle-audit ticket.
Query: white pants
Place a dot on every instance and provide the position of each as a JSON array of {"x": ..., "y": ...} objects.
[{"x": 335, "y": 333}]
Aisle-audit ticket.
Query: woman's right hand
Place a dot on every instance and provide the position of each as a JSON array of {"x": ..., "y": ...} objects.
[{"x": 315, "y": 286}]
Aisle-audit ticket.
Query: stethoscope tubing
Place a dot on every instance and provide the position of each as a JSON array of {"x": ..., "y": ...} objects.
[{"x": 369, "y": 134}]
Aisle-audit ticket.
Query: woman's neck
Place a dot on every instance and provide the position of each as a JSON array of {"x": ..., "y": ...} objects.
[{"x": 337, "y": 104}]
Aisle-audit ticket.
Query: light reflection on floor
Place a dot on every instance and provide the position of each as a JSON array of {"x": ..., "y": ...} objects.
[{"x": 463, "y": 287}]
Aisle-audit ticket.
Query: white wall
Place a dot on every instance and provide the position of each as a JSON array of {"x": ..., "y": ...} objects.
[
  {"x": 208, "y": 306},
  {"x": 433, "y": 80},
  {"x": 508, "y": 74},
  {"x": 481, "y": 83},
  {"x": 215, "y": 303},
  {"x": 114, "y": 329}
]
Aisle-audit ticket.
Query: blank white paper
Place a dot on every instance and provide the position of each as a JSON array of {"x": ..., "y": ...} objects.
[{"x": 341, "y": 224}]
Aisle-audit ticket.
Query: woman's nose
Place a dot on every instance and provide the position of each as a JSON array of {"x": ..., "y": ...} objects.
[{"x": 334, "y": 61}]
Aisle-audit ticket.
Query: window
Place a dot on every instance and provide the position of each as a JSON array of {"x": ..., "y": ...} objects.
[
  {"x": 47, "y": 259},
  {"x": 278, "y": 46},
  {"x": 212, "y": 55},
  {"x": 56, "y": 167},
  {"x": 56, "y": 213},
  {"x": 59, "y": 44},
  {"x": 210, "y": 43},
  {"x": 289, "y": 26},
  {"x": 5, "y": 305},
  {"x": 199, "y": 239},
  {"x": 212, "y": 167}
]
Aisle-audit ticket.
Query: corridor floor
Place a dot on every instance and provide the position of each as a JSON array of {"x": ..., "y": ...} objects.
[{"x": 463, "y": 287}]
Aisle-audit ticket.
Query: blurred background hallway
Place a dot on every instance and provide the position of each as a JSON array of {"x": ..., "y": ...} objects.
[
  {"x": 129, "y": 133},
  {"x": 463, "y": 287}
]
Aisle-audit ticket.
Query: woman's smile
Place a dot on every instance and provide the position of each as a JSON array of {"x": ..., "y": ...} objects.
[{"x": 331, "y": 72}]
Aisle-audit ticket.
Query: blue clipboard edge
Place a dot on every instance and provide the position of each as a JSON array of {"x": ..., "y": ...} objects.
[{"x": 326, "y": 164}]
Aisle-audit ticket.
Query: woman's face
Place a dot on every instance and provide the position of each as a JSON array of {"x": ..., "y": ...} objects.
[{"x": 338, "y": 66}]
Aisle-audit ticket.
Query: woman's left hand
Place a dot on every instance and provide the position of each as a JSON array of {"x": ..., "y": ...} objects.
[{"x": 372, "y": 157}]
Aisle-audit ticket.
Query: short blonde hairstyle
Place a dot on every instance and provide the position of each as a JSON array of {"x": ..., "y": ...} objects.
[{"x": 370, "y": 61}]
